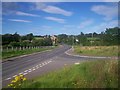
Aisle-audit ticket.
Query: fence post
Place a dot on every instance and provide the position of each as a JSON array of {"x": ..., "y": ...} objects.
[
  {"x": 7, "y": 48},
  {"x": 12, "y": 48},
  {"x": 20, "y": 48},
  {"x": 23, "y": 48},
  {"x": 16, "y": 48}
]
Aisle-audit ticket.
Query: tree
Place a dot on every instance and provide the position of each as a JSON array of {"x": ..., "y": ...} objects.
[
  {"x": 29, "y": 36},
  {"x": 7, "y": 38},
  {"x": 110, "y": 36},
  {"x": 16, "y": 37},
  {"x": 62, "y": 38},
  {"x": 15, "y": 44}
]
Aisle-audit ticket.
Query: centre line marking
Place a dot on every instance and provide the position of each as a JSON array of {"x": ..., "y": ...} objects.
[
  {"x": 8, "y": 78},
  {"x": 25, "y": 70},
  {"x": 14, "y": 75},
  {"x": 25, "y": 73}
]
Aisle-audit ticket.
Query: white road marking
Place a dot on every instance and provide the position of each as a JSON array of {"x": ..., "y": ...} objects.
[
  {"x": 34, "y": 69},
  {"x": 30, "y": 71},
  {"x": 77, "y": 63},
  {"x": 25, "y": 70},
  {"x": 37, "y": 67},
  {"x": 42, "y": 63},
  {"x": 46, "y": 62},
  {"x": 21, "y": 73},
  {"x": 14, "y": 75},
  {"x": 25, "y": 73},
  {"x": 41, "y": 66},
  {"x": 8, "y": 78}
]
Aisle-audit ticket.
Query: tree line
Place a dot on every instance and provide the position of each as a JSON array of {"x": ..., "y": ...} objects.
[
  {"x": 109, "y": 37},
  {"x": 29, "y": 40}
]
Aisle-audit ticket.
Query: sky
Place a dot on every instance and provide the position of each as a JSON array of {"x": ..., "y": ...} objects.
[{"x": 53, "y": 18}]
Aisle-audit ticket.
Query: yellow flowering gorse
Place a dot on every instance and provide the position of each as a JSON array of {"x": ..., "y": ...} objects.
[{"x": 17, "y": 81}]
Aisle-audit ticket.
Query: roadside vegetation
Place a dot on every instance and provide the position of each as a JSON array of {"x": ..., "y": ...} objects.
[
  {"x": 92, "y": 74},
  {"x": 96, "y": 50},
  {"x": 13, "y": 53}
]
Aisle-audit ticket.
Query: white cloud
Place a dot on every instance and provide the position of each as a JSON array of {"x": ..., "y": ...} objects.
[
  {"x": 85, "y": 23},
  {"x": 109, "y": 12},
  {"x": 19, "y": 20},
  {"x": 52, "y": 9},
  {"x": 26, "y": 14},
  {"x": 59, "y": 20},
  {"x": 102, "y": 26}
]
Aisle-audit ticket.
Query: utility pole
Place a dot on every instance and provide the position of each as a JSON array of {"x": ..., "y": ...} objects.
[
  {"x": 92, "y": 40},
  {"x": 73, "y": 40}
]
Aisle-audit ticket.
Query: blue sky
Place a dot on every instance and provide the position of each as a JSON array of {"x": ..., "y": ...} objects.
[{"x": 41, "y": 18}]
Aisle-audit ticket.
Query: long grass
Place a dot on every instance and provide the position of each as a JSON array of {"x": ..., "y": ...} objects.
[
  {"x": 96, "y": 50},
  {"x": 92, "y": 74}
]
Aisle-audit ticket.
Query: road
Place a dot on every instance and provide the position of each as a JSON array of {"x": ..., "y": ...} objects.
[{"x": 38, "y": 64}]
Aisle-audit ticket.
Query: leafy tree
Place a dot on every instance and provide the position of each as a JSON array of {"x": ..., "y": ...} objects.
[
  {"x": 15, "y": 44},
  {"x": 16, "y": 37},
  {"x": 25, "y": 43},
  {"x": 7, "y": 38},
  {"x": 29, "y": 36}
]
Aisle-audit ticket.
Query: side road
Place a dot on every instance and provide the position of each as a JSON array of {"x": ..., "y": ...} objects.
[{"x": 70, "y": 52}]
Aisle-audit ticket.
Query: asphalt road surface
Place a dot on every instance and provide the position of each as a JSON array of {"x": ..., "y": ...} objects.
[{"x": 38, "y": 64}]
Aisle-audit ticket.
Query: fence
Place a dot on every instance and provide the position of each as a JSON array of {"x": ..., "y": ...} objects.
[{"x": 23, "y": 48}]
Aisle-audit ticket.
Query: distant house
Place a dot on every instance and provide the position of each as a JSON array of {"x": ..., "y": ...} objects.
[{"x": 54, "y": 39}]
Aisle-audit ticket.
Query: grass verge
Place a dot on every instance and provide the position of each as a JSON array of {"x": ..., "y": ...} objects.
[
  {"x": 96, "y": 50},
  {"x": 15, "y": 53},
  {"x": 92, "y": 74}
]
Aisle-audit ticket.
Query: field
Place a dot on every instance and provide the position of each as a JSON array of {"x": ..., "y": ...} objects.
[
  {"x": 92, "y": 74},
  {"x": 13, "y": 53},
  {"x": 96, "y": 50}
]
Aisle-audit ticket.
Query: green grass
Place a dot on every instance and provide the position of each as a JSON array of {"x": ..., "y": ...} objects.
[
  {"x": 93, "y": 39},
  {"x": 92, "y": 74},
  {"x": 8, "y": 54},
  {"x": 96, "y": 50}
]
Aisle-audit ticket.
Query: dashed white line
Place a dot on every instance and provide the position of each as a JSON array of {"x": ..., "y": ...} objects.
[
  {"x": 8, "y": 78},
  {"x": 77, "y": 63},
  {"x": 37, "y": 67},
  {"x": 21, "y": 73},
  {"x": 25, "y": 70},
  {"x": 25, "y": 73},
  {"x": 29, "y": 69},
  {"x": 41, "y": 66},
  {"x": 46, "y": 62},
  {"x": 32, "y": 69},
  {"x": 14, "y": 75}
]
